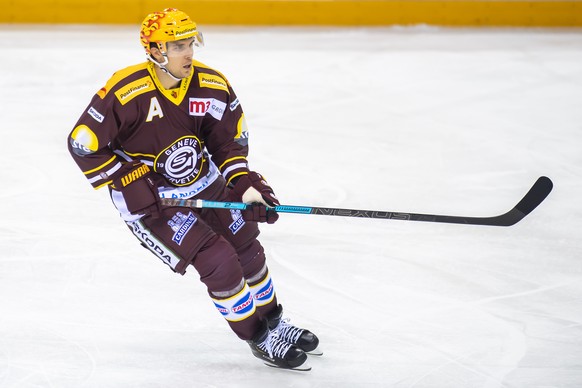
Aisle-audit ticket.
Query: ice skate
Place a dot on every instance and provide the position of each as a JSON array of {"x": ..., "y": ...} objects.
[
  {"x": 276, "y": 352},
  {"x": 302, "y": 338}
]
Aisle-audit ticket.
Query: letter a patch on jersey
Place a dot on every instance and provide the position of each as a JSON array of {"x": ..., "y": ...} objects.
[{"x": 155, "y": 110}]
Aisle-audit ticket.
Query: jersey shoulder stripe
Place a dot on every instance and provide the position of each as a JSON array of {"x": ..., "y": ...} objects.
[
  {"x": 201, "y": 65},
  {"x": 202, "y": 68},
  {"x": 210, "y": 78},
  {"x": 119, "y": 76}
]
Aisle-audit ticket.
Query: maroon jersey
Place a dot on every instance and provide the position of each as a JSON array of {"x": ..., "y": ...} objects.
[{"x": 188, "y": 135}]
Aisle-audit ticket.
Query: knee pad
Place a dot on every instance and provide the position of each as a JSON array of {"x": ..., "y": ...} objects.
[
  {"x": 252, "y": 259},
  {"x": 218, "y": 266}
]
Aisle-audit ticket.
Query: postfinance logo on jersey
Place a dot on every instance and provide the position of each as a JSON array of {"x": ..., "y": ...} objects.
[
  {"x": 212, "y": 81},
  {"x": 134, "y": 89}
]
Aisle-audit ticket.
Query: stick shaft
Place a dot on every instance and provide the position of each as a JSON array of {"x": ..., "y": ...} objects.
[{"x": 537, "y": 193}]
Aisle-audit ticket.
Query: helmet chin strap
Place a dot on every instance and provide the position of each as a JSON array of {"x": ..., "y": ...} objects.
[{"x": 163, "y": 67}]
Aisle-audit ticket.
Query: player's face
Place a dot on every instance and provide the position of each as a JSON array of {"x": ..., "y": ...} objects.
[{"x": 180, "y": 54}]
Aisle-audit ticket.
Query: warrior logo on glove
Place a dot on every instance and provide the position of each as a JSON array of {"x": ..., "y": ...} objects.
[
  {"x": 138, "y": 189},
  {"x": 134, "y": 175}
]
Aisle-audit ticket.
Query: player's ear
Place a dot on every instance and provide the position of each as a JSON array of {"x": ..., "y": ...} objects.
[{"x": 156, "y": 53}]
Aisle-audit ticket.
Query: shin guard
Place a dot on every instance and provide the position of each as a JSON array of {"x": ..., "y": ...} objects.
[
  {"x": 237, "y": 307},
  {"x": 263, "y": 290},
  {"x": 239, "y": 310}
]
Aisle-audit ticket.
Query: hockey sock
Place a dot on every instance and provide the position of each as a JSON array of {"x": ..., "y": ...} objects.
[
  {"x": 239, "y": 311},
  {"x": 263, "y": 291}
]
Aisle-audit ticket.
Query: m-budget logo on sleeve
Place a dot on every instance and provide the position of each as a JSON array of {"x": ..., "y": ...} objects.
[{"x": 201, "y": 106}]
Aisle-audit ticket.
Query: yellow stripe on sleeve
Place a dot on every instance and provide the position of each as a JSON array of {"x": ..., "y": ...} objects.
[
  {"x": 101, "y": 166},
  {"x": 230, "y": 160}
]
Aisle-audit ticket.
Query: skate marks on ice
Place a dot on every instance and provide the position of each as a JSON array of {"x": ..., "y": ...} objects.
[
  {"x": 37, "y": 356},
  {"x": 436, "y": 320}
]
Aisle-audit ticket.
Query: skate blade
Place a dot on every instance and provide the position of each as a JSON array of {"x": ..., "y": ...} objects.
[
  {"x": 315, "y": 352},
  {"x": 305, "y": 367}
]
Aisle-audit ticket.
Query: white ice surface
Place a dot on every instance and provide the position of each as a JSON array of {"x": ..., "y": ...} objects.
[{"x": 403, "y": 119}]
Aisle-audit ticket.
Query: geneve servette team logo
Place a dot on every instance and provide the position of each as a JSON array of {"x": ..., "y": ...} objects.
[{"x": 181, "y": 162}]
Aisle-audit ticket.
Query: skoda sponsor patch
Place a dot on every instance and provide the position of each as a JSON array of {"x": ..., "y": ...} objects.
[
  {"x": 181, "y": 162},
  {"x": 152, "y": 243},
  {"x": 238, "y": 221},
  {"x": 95, "y": 114},
  {"x": 181, "y": 224},
  {"x": 201, "y": 106}
]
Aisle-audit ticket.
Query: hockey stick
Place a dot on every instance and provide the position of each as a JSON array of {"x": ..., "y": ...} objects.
[{"x": 538, "y": 192}]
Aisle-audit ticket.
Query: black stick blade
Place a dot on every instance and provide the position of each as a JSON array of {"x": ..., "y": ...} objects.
[
  {"x": 539, "y": 191},
  {"x": 536, "y": 195}
]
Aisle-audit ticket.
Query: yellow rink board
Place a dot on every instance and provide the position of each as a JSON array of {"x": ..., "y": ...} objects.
[{"x": 543, "y": 13}]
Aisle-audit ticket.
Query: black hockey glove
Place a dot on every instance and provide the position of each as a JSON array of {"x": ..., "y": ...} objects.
[
  {"x": 254, "y": 189},
  {"x": 135, "y": 183},
  {"x": 260, "y": 213}
]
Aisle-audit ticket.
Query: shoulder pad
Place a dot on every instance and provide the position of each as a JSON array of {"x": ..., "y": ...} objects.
[{"x": 119, "y": 76}]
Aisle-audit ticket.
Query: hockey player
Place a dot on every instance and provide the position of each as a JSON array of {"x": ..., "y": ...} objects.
[{"x": 172, "y": 127}]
